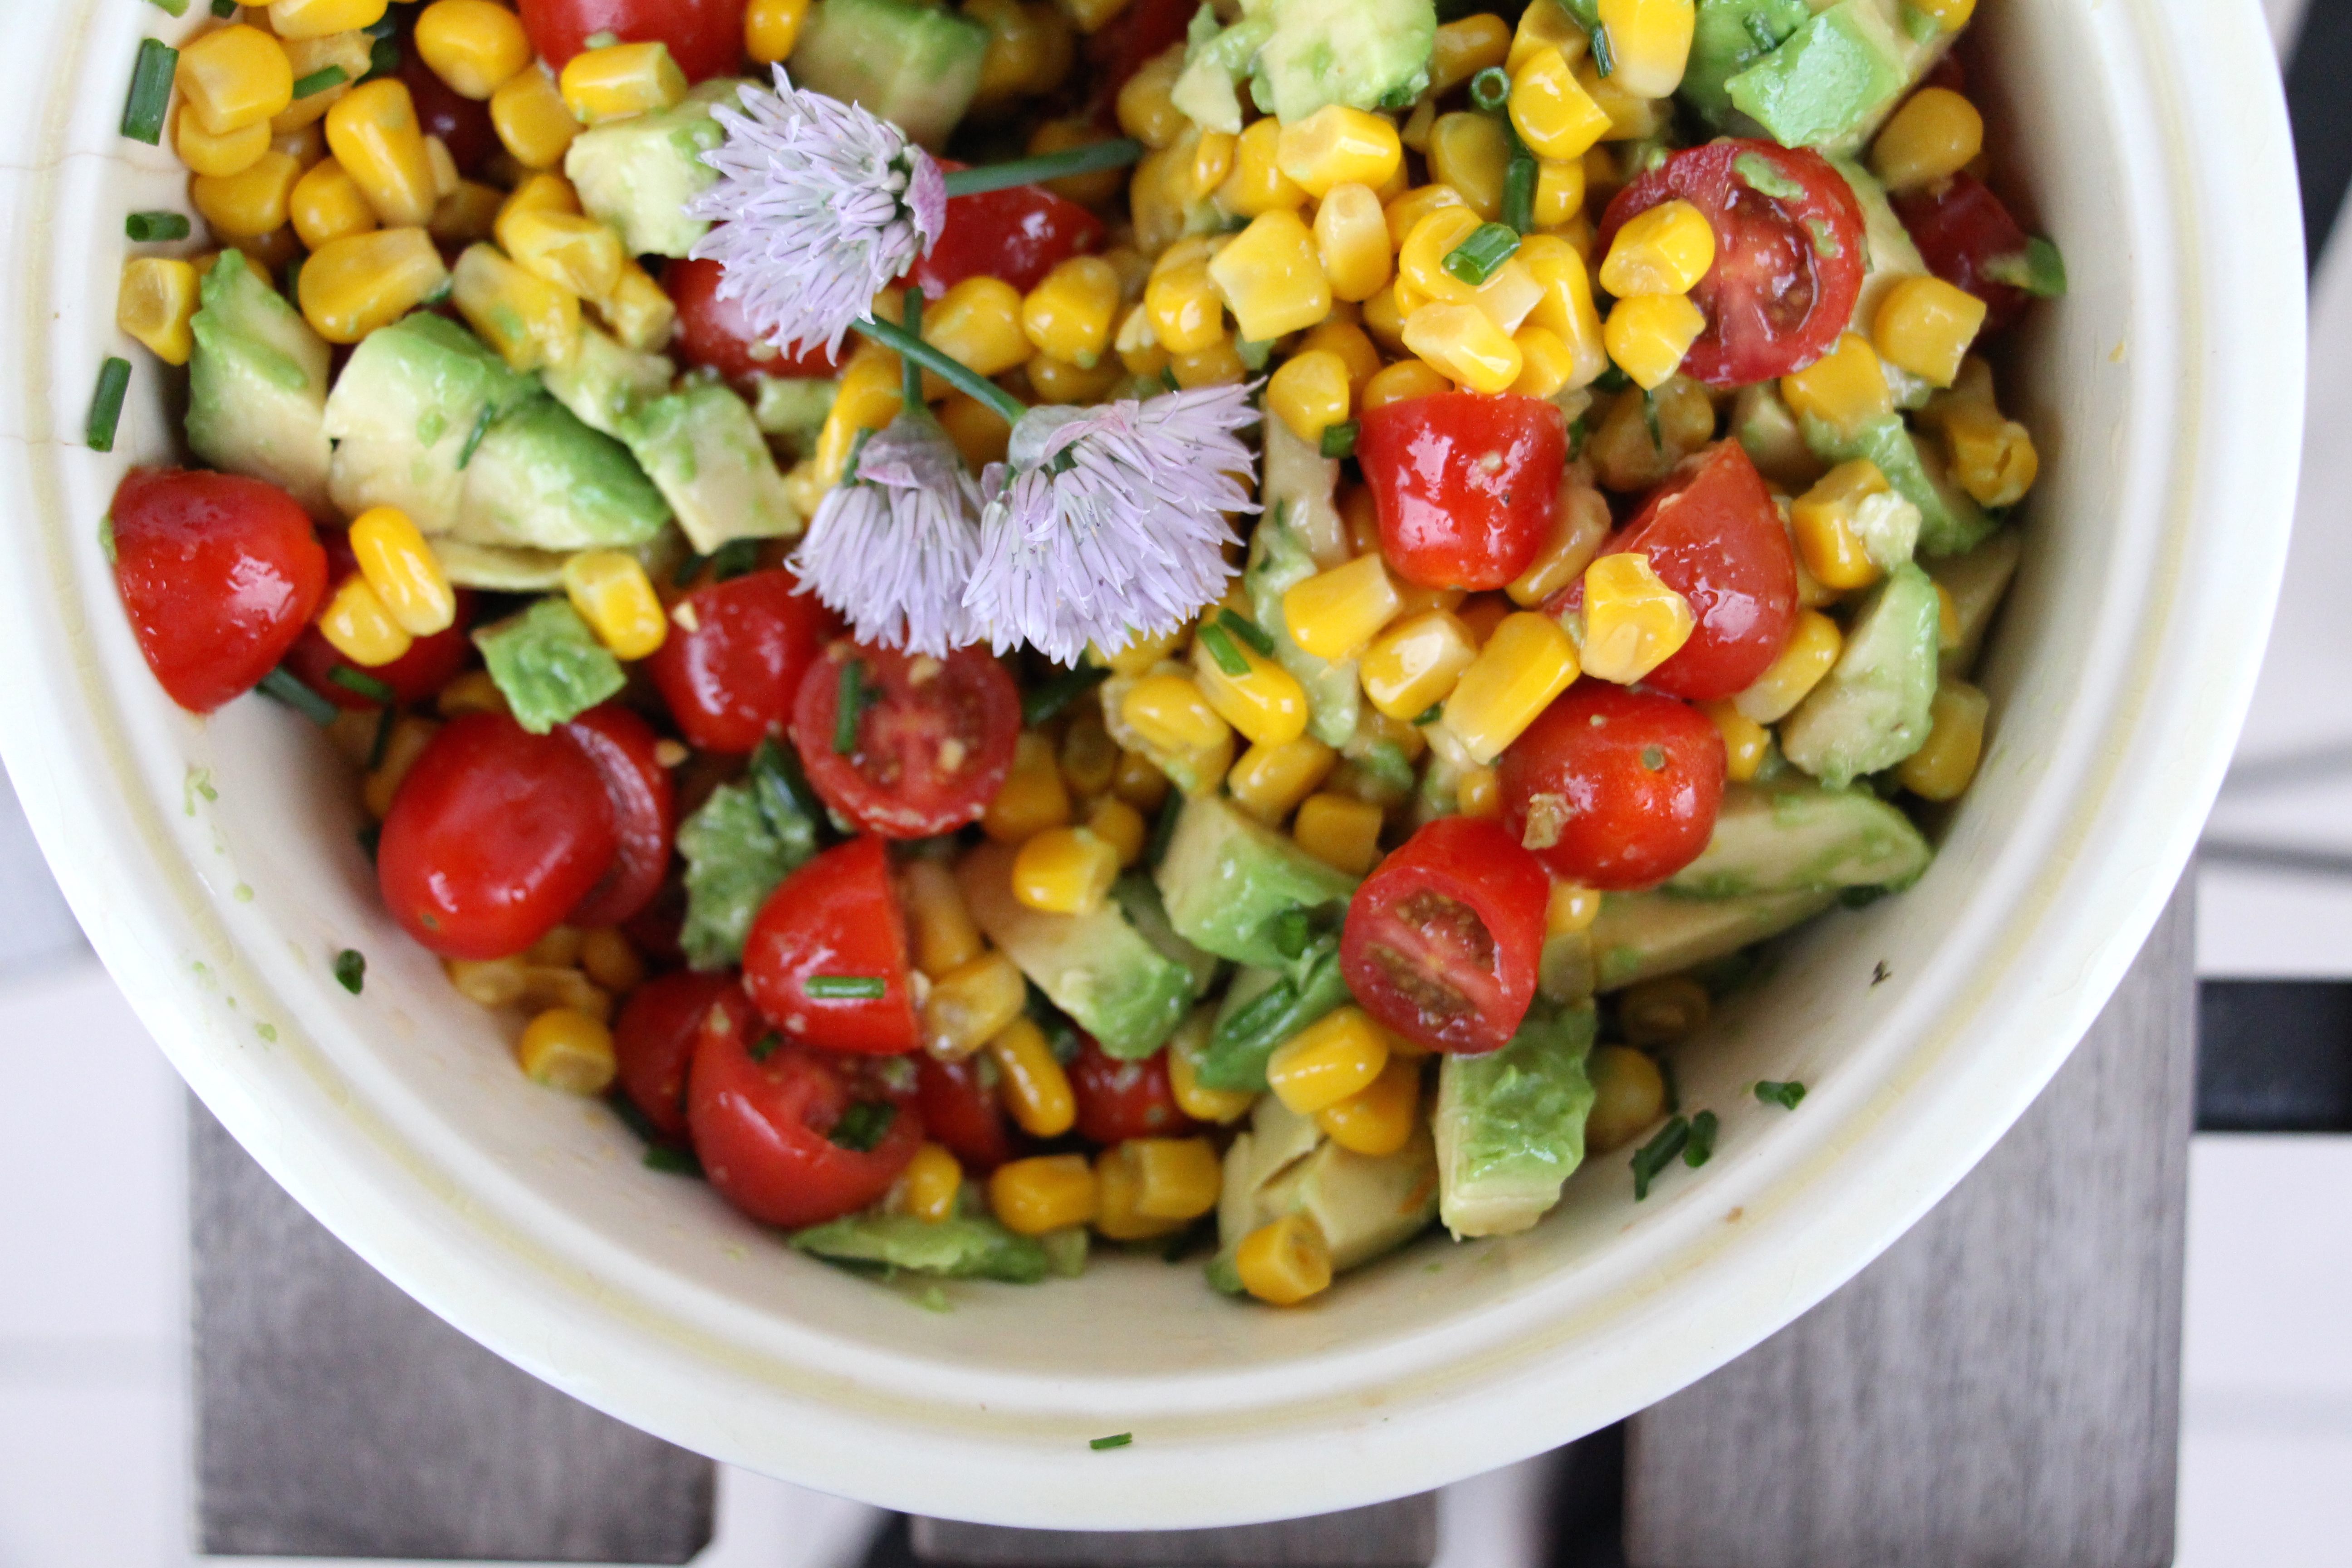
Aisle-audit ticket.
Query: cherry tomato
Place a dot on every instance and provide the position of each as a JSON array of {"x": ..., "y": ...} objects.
[
  {"x": 834, "y": 923},
  {"x": 730, "y": 681},
  {"x": 1466, "y": 487},
  {"x": 1443, "y": 940},
  {"x": 705, "y": 36},
  {"x": 1713, "y": 535},
  {"x": 655, "y": 1036},
  {"x": 1629, "y": 781},
  {"x": 1143, "y": 31},
  {"x": 424, "y": 669},
  {"x": 1961, "y": 228},
  {"x": 1119, "y": 1100},
  {"x": 1788, "y": 254},
  {"x": 621, "y": 745},
  {"x": 495, "y": 834},
  {"x": 765, "y": 1127},
  {"x": 1019, "y": 234},
  {"x": 961, "y": 1110},
  {"x": 716, "y": 333},
  {"x": 928, "y": 753},
  {"x": 462, "y": 123},
  {"x": 219, "y": 573}
]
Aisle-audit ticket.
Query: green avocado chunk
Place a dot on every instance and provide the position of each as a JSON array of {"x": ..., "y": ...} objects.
[
  {"x": 1366, "y": 54},
  {"x": 1949, "y": 521},
  {"x": 1798, "y": 837},
  {"x": 604, "y": 383},
  {"x": 1241, "y": 891},
  {"x": 744, "y": 840},
  {"x": 965, "y": 1246},
  {"x": 1871, "y": 710},
  {"x": 258, "y": 384},
  {"x": 1301, "y": 517},
  {"x": 637, "y": 174},
  {"x": 1364, "y": 1204},
  {"x": 548, "y": 665},
  {"x": 1835, "y": 80},
  {"x": 915, "y": 66},
  {"x": 1511, "y": 1124},
  {"x": 1640, "y": 936},
  {"x": 1977, "y": 581},
  {"x": 701, "y": 447},
  {"x": 1730, "y": 36},
  {"x": 407, "y": 413},
  {"x": 541, "y": 480}
]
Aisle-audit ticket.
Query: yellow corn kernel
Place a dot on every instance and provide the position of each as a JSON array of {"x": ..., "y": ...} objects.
[
  {"x": 373, "y": 134},
  {"x": 1925, "y": 325},
  {"x": 1559, "y": 193},
  {"x": 1526, "y": 663},
  {"x": 1632, "y": 622},
  {"x": 1263, "y": 701},
  {"x": 1403, "y": 214},
  {"x": 1310, "y": 391},
  {"x": 1334, "y": 615},
  {"x": 1463, "y": 49},
  {"x": 1016, "y": 51},
  {"x": 1463, "y": 342},
  {"x": 1383, "y": 322},
  {"x": 971, "y": 1004},
  {"x": 1121, "y": 826},
  {"x": 1340, "y": 831},
  {"x": 465, "y": 215},
  {"x": 1943, "y": 767},
  {"x": 1088, "y": 755},
  {"x": 1630, "y": 1093},
  {"x": 317, "y": 19},
  {"x": 236, "y": 77},
  {"x": 326, "y": 205},
  {"x": 1933, "y": 137},
  {"x": 1064, "y": 871},
  {"x": 1176, "y": 1178},
  {"x": 979, "y": 432},
  {"x": 978, "y": 324},
  {"x": 1663, "y": 1011},
  {"x": 1146, "y": 110},
  {"x": 1338, "y": 1055},
  {"x": 613, "y": 595},
  {"x": 1402, "y": 383},
  {"x": 1032, "y": 797},
  {"x": 1565, "y": 308},
  {"x": 155, "y": 302},
  {"x": 1823, "y": 521},
  {"x": 568, "y": 1050},
  {"x": 445, "y": 178},
  {"x": 1043, "y": 1193},
  {"x": 1545, "y": 24},
  {"x": 927, "y": 1189},
  {"x": 1420, "y": 260},
  {"x": 1378, "y": 1120},
  {"x": 1196, "y": 1100},
  {"x": 1948, "y": 620},
  {"x": 205, "y": 153},
  {"x": 1846, "y": 387},
  {"x": 528, "y": 320},
  {"x": 474, "y": 46},
  {"x": 1352, "y": 242},
  {"x": 1210, "y": 166},
  {"x": 1069, "y": 315},
  {"x": 1058, "y": 381},
  {"x": 619, "y": 81},
  {"x": 575, "y": 253},
  {"x": 534, "y": 124},
  {"x": 1993, "y": 458},
  {"x": 771, "y": 28},
  {"x": 546, "y": 191},
  {"x": 1139, "y": 781},
  {"x": 1554, "y": 115},
  {"x": 359, "y": 626},
  {"x": 1744, "y": 741},
  {"x": 1119, "y": 1189},
  {"x": 1414, "y": 663},
  {"x": 1664, "y": 250},
  {"x": 1952, "y": 14},
  {"x": 1270, "y": 275},
  {"x": 351, "y": 287},
  {"x": 607, "y": 957},
  {"x": 1285, "y": 1262},
  {"x": 1631, "y": 117},
  {"x": 945, "y": 938},
  {"x": 1582, "y": 525},
  {"x": 1270, "y": 782},
  {"x": 305, "y": 58},
  {"x": 1142, "y": 652},
  {"x": 1648, "y": 336},
  {"x": 1034, "y": 1089},
  {"x": 308, "y": 143},
  {"x": 1479, "y": 793},
  {"x": 1337, "y": 145},
  {"x": 1573, "y": 908},
  {"x": 250, "y": 203},
  {"x": 1257, "y": 183},
  {"x": 1508, "y": 297},
  {"x": 1182, "y": 306},
  {"x": 1470, "y": 152},
  {"x": 1650, "y": 43},
  {"x": 1813, "y": 648},
  {"x": 403, "y": 570},
  {"x": 1349, "y": 342},
  {"x": 867, "y": 398},
  {"x": 473, "y": 692}
]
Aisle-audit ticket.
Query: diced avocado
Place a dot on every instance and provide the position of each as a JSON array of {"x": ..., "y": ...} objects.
[
  {"x": 962, "y": 1246},
  {"x": 1195, "y": 772},
  {"x": 605, "y": 384},
  {"x": 1640, "y": 936},
  {"x": 1138, "y": 896},
  {"x": 1264, "y": 1007},
  {"x": 638, "y": 174},
  {"x": 1767, "y": 430},
  {"x": 548, "y": 665},
  {"x": 746, "y": 838},
  {"x": 701, "y": 447},
  {"x": 1366, "y": 54},
  {"x": 1567, "y": 974},
  {"x": 915, "y": 66},
  {"x": 1871, "y": 710},
  {"x": 1301, "y": 517},
  {"x": 258, "y": 384},
  {"x": 1065, "y": 1248},
  {"x": 1800, "y": 837},
  {"x": 792, "y": 408},
  {"x": 1835, "y": 80},
  {"x": 542, "y": 479},
  {"x": 1949, "y": 521},
  {"x": 500, "y": 568},
  {"x": 1098, "y": 968},
  {"x": 1511, "y": 1124},
  {"x": 409, "y": 412},
  {"x": 1731, "y": 35},
  {"x": 1216, "y": 61},
  {"x": 1243, "y": 891},
  {"x": 1976, "y": 581},
  {"x": 1891, "y": 254},
  {"x": 1364, "y": 1206}
]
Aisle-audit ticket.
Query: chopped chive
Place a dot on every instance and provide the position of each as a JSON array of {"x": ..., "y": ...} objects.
[
  {"x": 383, "y": 58},
  {"x": 1604, "y": 56},
  {"x": 1290, "y": 931},
  {"x": 736, "y": 558},
  {"x": 350, "y": 970},
  {"x": 1429, "y": 715},
  {"x": 850, "y": 708},
  {"x": 106, "y": 408},
  {"x": 150, "y": 91},
  {"x": 1657, "y": 1155},
  {"x": 1085, "y": 159},
  {"x": 688, "y": 570},
  {"x": 319, "y": 80},
  {"x": 280, "y": 684},
  {"x": 2038, "y": 269},
  {"x": 863, "y": 1125},
  {"x": 145, "y": 226},
  {"x": 370, "y": 836},
  {"x": 844, "y": 988},
  {"x": 106, "y": 536},
  {"x": 1784, "y": 1095},
  {"x": 1116, "y": 1440},
  {"x": 1579, "y": 433},
  {"x": 383, "y": 26},
  {"x": 1221, "y": 649},
  {"x": 1164, "y": 832},
  {"x": 1701, "y": 1147},
  {"x": 1520, "y": 187},
  {"x": 671, "y": 1159},
  {"x": 223, "y": 8},
  {"x": 360, "y": 683},
  {"x": 1613, "y": 379},
  {"x": 1650, "y": 416},
  {"x": 764, "y": 1048},
  {"x": 1248, "y": 630},
  {"x": 474, "y": 436},
  {"x": 380, "y": 744},
  {"x": 1490, "y": 89},
  {"x": 1042, "y": 702},
  {"x": 1339, "y": 440},
  {"x": 1672, "y": 1082},
  {"x": 1475, "y": 258},
  {"x": 1761, "y": 31}
]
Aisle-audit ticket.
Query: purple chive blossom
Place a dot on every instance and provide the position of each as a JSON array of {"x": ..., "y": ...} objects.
[
  {"x": 1109, "y": 522},
  {"x": 818, "y": 207},
  {"x": 893, "y": 544}
]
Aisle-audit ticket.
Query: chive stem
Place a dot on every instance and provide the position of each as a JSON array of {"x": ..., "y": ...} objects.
[
  {"x": 1042, "y": 702},
  {"x": 1248, "y": 630},
  {"x": 910, "y": 373},
  {"x": 953, "y": 371},
  {"x": 1490, "y": 89},
  {"x": 1477, "y": 258},
  {"x": 155, "y": 226},
  {"x": 1519, "y": 182},
  {"x": 1116, "y": 153},
  {"x": 844, "y": 988},
  {"x": 849, "y": 708},
  {"x": 319, "y": 80},
  {"x": 350, "y": 970},
  {"x": 106, "y": 408},
  {"x": 281, "y": 684},
  {"x": 223, "y": 8},
  {"x": 170, "y": 7},
  {"x": 1604, "y": 55},
  {"x": 150, "y": 91},
  {"x": 1221, "y": 649},
  {"x": 1339, "y": 440},
  {"x": 361, "y": 683}
]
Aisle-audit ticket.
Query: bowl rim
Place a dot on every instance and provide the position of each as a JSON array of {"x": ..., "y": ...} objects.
[{"x": 2216, "y": 169}]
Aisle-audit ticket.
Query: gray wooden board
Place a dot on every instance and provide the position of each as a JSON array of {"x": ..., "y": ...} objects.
[
  {"x": 2002, "y": 1387},
  {"x": 1399, "y": 1535},
  {"x": 335, "y": 1418}
]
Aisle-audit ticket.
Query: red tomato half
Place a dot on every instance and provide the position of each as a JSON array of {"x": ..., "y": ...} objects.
[
  {"x": 1142, "y": 31},
  {"x": 1713, "y": 535},
  {"x": 495, "y": 835},
  {"x": 1119, "y": 1100},
  {"x": 764, "y": 1129},
  {"x": 219, "y": 573},
  {"x": 716, "y": 333},
  {"x": 462, "y": 123},
  {"x": 1629, "y": 781},
  {"x": 1443, "y": 940},
  {"x": 1466, "y": 487},
  {"x": 705, "y": 36},
  {"x": 655, "y": 1036},
  {"x": 929, "y": 753},
  {"x": 1788, "y": 260},
  {"x": 1018, "y": 234},
  {"x": 961, "y": 1110},
  {"x": 427, "y": 666},
  {"x": 730, "y": 681},
  {"x": 622, "y": 745},
  {"x": 1961, "y": 228},
  {"x": 834, "y": 922}
]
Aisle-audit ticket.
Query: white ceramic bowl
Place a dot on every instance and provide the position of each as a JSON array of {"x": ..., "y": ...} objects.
[{"x": 2146, "y": 135}]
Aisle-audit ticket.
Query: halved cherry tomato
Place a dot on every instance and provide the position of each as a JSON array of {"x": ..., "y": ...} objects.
[
  {"x": 716, "y": 333},
  {"x": 1141, "y": 32},
  {"x": 655, "y": 1036},
  {"x": 494, "y": 836},
  {"x": 1621, "y": 787},
  {"x": 705, "y": 36},
  {"x": 1019, "y": 234},
  {"x": 961, "y": 1110},
  {"x": 834, "y": 925},
  {"x": 1713, "y": 535},
  {"x": 1789, "y": 257},
  {"x": 765, "y": 1126},
  {"x": 622, "y": 746},
  {"x": 1119, "y": 1100},
  {"x": 219, "y": 573},
  {"x": 462, "y": 123},
  {"x": 1961, "y": 228},
  {"x": 1443, "y": 940},
  {"x": 730, "y": 679},
  {"x": 414, "y": 676},
  {"x": 1466, "y": 487},
  {"x": 930, "y": 743}
]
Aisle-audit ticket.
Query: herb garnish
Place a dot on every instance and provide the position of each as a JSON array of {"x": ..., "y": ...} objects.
[
  {"x": 350, "y": 970},
  {"x": 844, "y": 988},
  {"x": 1784, "y": 1095},
  {"x": 850, "y": 708},
  {"x": 863, "y": 1125},
  {"x": 1658, "y": 1154},
  {"x": 1116, "y": 1440}
]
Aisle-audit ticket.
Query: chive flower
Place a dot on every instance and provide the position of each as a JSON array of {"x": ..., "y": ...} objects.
[{"x": 892, "y": 546}]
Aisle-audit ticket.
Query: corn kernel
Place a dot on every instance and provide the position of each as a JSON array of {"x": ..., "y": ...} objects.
[
  {"x": 1414, "y": 663},
  {"x": 251, "y": 203},
  {"x": 1043, "y": 1193},
  {"x": 1271, "y": 277},
  {"x": 1663, "y": 1011},
  {"x": 374, "y": 132},
  {"x": 606, "y": 958},
  {"x": 1811, "y": 650},
  {"x": 613, "y": 595},
  {"x": 1564, "y": 307},
  {"x": 474, "y": 46},
  {"x": 1139, "y": 783},
  {"x": 1402, "y": 383},
  {"x": 575, "y": 253},
  {"x": 1016, "y": 51},
  {"x": 1064, "y": 871},
  {"x": 1479, "y": 793},
  {"x": 1460, "y": 341},
  {"x": 619, "y": 81},
  {"x": 351, "y": 287},
  {"x": 1352, "y": 242},
  {"x": 1032, "y": 798},
  {"x": 1219, "y": 1106},
  {"x": 326, "y": 205},
  {"x": 1119, "y": 1189},
  {"x": 1421, "y": 261},
  {"x": 1580, "y": 525},
  {"x": 1340, "y": 831},
  {"x": 1334, "y": 615},
  {"x": 867, "y": 399},
  {"x": 1378, "y": 1120},
  {"x": 1824, "y": 520},
  {"x": 410, "y": 736},
  {"x": 927, "y": 1188},
  {"x": 1559, "y": 193},
  {"x": 1257, "y": 183},
  {"x": 1648, "y": 336},
  {"x": 1744, "y": 741},
  {"x": 359, "y": 626},
  {"x": 1554, "y": 115},
  {"x": 1355, "y": 349},
  {"x": 1121, "y": 826},
  {"x": 1633, "y": 621},
  {"x": 1545, "y": 362},
  {"x": 529, "y": 321},
  {"x": 1183, "y": 309},
  {"x": 1210, "y": 165},
  {"x": 1526, "y": 663},
  {"x": 1463, "y": 49},
  {"x": 1176, "y": 1178},
  {"x": 1264, "y": 701},
  {"x": 1943, "y": 767},
  {"x": 347, "y": 52},
  {"x": 1269, "y": 782},
  {"x": 971, "y": 1004},
  {"x": 1470, "y": 152},
  {"x": 1545, "y": 24},
  {"x": 1146, "y": 110},
  {"x": 771, "y": 28},
  {"x": 1338, "y": 1055},
  {"x": 978, "y": 324},
  {"x": 945, "y": 939},
  {"x": 1925, "y": 325},
  {"x": 1403, "y": 214},
  {"x": 1845, "y": 388},
  {"x": 1337, "y": 145},
  {"x": 205, "y": 153},
  {"x": 1664, "y": 250},
  {"x": 1034, "y": 1088},
  {"x": 403, "y": 570},
  {"x": 1088, "y": 755},
  {"x": 155, "y": 302},
  {"x": 1952, "y": 14},
  {"x": 236, "y": 77},
  {"x": 1310, "y": 391},
  {"x": 1285, "y": 1262},
  {"x": 1069, "y": 315},
  {"x": 1632, "y": 117},
  {"x": 533, "y": 122},
  {"x": 1933, "y": 137},
  {"x": 1651, "y": 40},
  {"x": 567, "y": 1050},
  {"x": 1993, "y": 458},
  {"x": 316, "y": 18},
  {"x": 1572, "y": 906}
]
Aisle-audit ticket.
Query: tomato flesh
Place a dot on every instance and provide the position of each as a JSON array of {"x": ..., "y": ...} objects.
[
  {"x": 716, "y": 333},
  {"x": 1019, "y": 234},
  {"x": 933, "y": 739},
  {"x": 1443, "y": 940},
  {"x": 653, "y": 1039},
  {"x": 462, "y": 123},
  {"x": 621, "y": 746},
  {"x": 1122, "y": 1099},
  {"x": 835, "y": 919},
  {"x": 732, "y": 662},
  {"x": 1788, "y": 254},
  {"x": 1611, "y": 788},
  {"x": 961, "y": 1110},
  {"x": 705, "y": 36},
  {"x": 495, "y": 835},
  {"x": 1961, "y": 228},
  {"x": 1466, "y": 487},
  {"x": 762, "y": 1125},
  {"x": 414, "y": 676}
]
